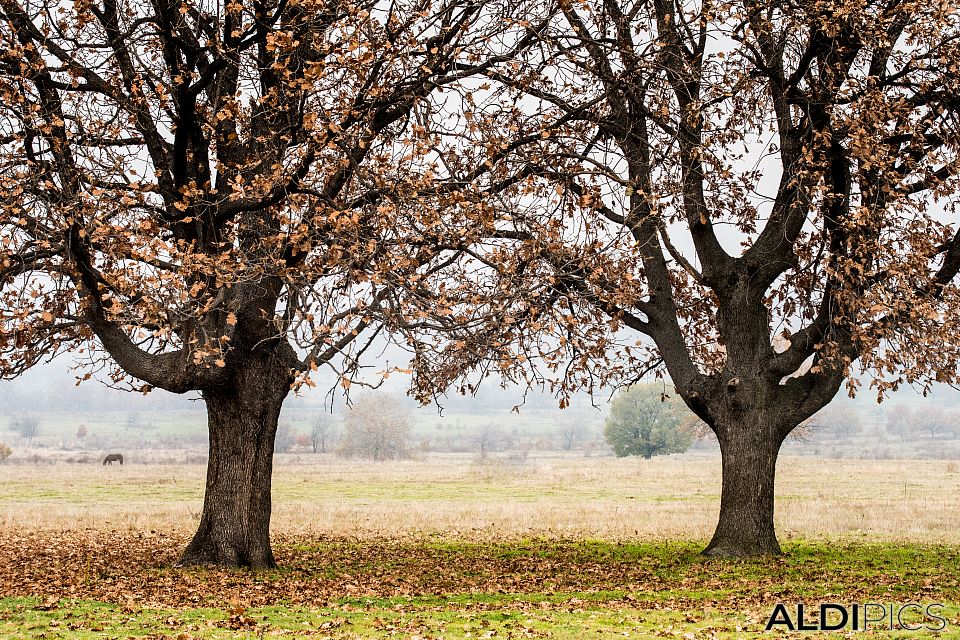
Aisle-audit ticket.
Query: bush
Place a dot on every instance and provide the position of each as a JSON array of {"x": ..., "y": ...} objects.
[
  {"x": 643, "y": 422},
  {"x": 26, "y": 425},
  {"x": 5, "y": 451}
]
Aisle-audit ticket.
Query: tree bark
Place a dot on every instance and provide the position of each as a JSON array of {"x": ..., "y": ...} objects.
[
  {"x": 749, "y": 459},
  {"x": 242, "y": 420}
]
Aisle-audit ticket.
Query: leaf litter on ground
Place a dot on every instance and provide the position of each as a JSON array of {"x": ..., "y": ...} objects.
[{"x": 390, "y": 580}]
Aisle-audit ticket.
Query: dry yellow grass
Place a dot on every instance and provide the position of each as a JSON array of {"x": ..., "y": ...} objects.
[{"x": 668, "y": 498}]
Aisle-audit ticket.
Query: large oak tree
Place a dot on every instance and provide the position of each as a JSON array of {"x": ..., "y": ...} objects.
[
  {"x": 764, "y": 193},
  {"x": 222, "y": 196}
]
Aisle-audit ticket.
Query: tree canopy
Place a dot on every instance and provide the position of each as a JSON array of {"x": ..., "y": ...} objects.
[
  {"x": 185, "y": 176},
  {"x": 735, "y": 181}
]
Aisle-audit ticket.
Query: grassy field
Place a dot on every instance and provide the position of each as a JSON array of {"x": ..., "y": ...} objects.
[
  {"x": 562, "y": 547},
  {"x": 672, "y": 498}
]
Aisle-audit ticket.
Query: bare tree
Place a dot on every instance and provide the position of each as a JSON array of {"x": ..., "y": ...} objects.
[
  {"x": 936, "y": 420},
  {"x": 285, "y": 437},
  {"x": 27, "y": 426},
  {"x": 843, "y": 419},
  {"x": 321, "y": 433},
  {"x": 486, "y": 438},
  {"x": 901, "y": 420},
  {"x": 571, "y": 431},
  {"x": 376, "y": 427}
]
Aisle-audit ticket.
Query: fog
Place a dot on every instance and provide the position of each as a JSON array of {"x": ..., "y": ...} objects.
[{"x": 41, "y": 414}]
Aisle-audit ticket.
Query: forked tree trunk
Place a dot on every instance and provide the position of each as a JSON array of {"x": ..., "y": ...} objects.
[
  {"x": 749, "y": 461},
  {"x": 234, "y": 527}
]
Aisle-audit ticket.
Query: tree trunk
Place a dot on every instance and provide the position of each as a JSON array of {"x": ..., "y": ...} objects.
[
  {"x": 234, "y": 527},
  {"x": 749, "y": 461}
]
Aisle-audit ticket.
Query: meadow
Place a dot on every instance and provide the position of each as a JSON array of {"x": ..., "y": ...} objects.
[{"x": 558, "y": 546}]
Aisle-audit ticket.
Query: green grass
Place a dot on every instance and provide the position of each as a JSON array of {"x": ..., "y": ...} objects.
[
  {"x": 110, "y": 488},
  {"x": 63, "y": 425},
  {"x": 78, "y": 619},
  {"x": 423, "y": 490},
  {"x": 119, "y": 487},
  {"x": 568, "y": 615},
  {"x": 452, "y": 589}
]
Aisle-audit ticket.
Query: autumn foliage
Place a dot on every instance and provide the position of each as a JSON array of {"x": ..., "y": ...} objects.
[{"x": 752, "y": 198}]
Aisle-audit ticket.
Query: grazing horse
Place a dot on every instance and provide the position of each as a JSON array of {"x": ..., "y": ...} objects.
[{"x": 113, "y": 457}]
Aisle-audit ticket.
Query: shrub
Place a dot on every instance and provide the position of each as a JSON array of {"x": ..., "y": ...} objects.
[{"x": 643, "y": 422}]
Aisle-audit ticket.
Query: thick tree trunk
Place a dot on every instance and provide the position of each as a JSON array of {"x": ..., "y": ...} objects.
[
  {"x": 749, "y": 460},
  {"x": 234, "y": 527}
]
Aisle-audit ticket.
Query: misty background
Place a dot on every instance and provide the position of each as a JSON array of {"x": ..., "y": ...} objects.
[{"x": 46, "y": 417}]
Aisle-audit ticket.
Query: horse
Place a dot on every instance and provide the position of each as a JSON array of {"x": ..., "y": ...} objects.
[{"x": 113, "y": 457}]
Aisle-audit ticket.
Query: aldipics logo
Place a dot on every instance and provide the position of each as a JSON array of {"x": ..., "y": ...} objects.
[{"x": 831, "y": 616}]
